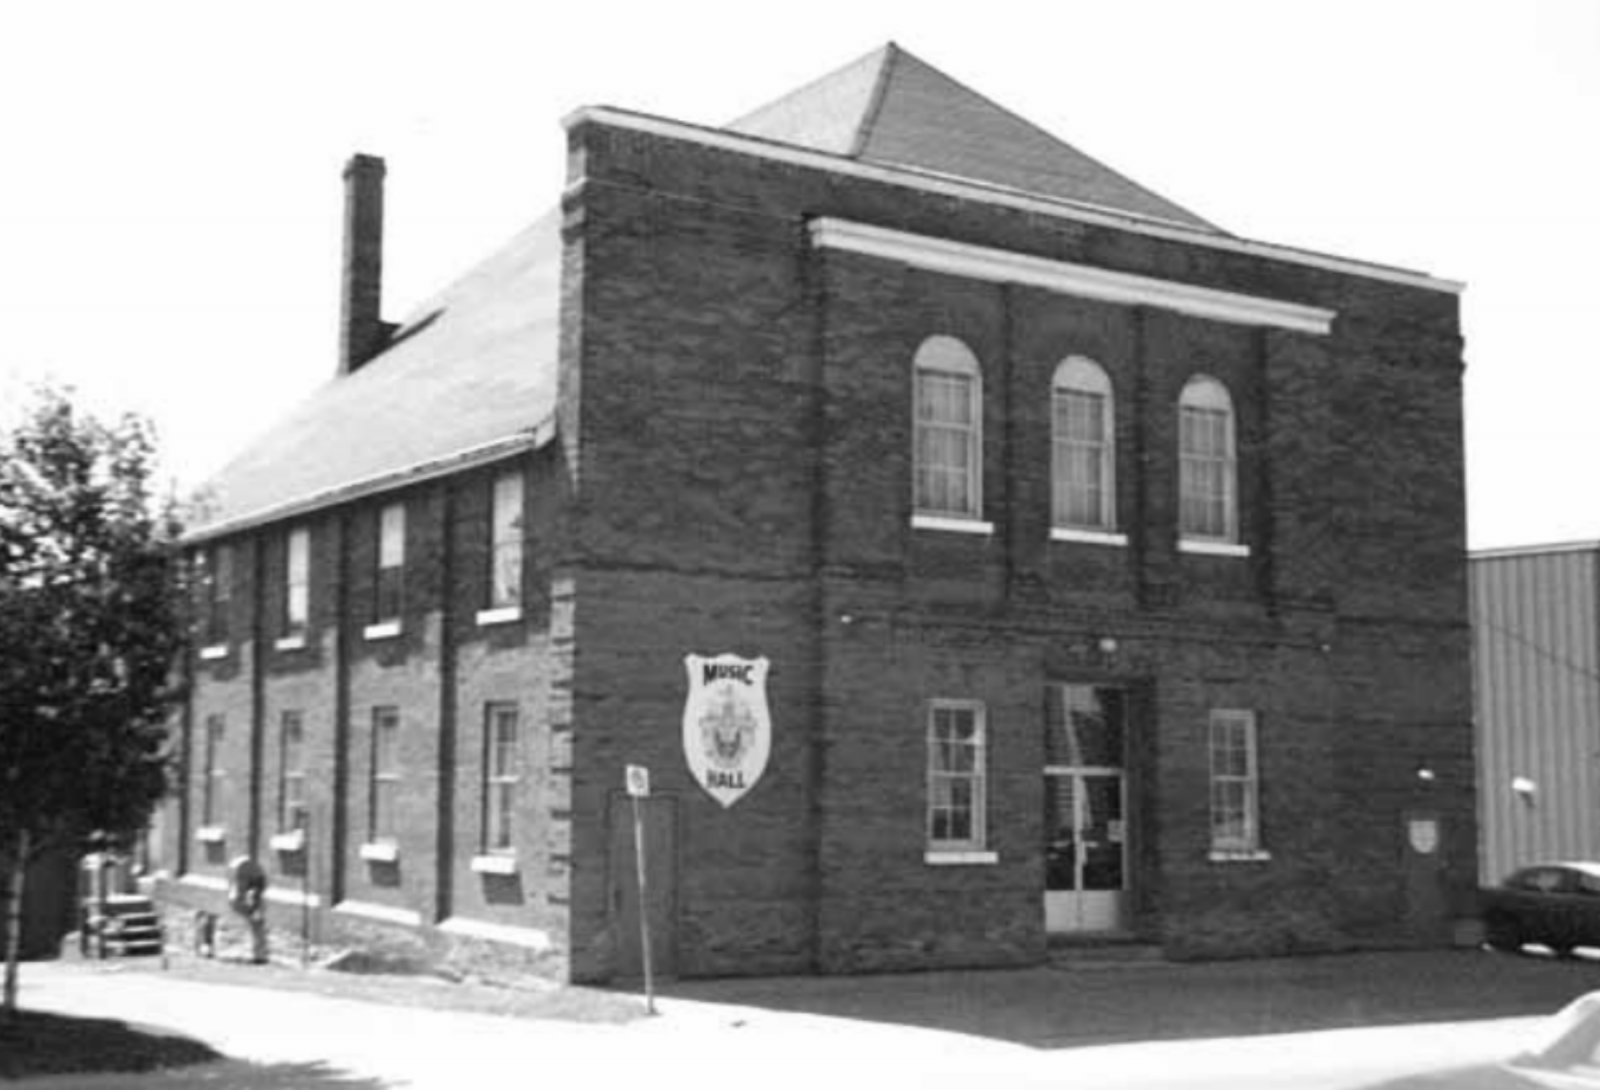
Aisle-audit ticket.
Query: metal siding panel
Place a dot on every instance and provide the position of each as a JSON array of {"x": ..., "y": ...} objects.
[{"x": 1536, "y": 705}]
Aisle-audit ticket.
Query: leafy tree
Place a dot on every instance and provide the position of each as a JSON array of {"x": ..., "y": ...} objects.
[{"x": 90, "y": 629}]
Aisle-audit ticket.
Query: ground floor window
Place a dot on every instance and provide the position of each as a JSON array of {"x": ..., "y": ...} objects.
[
  {"x": 955, "y": 775},
  {"x": 1235, "y": 818}
]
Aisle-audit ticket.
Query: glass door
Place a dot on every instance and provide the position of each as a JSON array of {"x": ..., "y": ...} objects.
[{"x": 1085, "y": 826}]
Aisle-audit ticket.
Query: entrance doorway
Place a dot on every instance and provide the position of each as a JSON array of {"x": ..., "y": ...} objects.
[{"x": 1085, "y": 808}]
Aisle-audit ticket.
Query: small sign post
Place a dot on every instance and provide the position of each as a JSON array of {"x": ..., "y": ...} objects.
[{"x": 638, "y": 782}]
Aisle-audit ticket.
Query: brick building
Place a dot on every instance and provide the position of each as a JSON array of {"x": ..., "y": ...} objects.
[{"x": 1108, "y": 570}]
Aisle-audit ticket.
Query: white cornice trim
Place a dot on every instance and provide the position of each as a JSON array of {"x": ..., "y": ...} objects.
[
  {"x": 931, "y": 182},
  {"x": 1068, "y": 278}
]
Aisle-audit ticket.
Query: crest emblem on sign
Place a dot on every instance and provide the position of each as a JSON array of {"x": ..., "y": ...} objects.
[{"x": 727, "y": 731}]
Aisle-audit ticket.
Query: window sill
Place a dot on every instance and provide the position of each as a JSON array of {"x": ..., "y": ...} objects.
[
  {"x": 494, "y": 864},
  {"x": 211, "y": 834},
  {"x": 214, "y": 652},
  {"x": 946, "y": 857},
  {"x": 380, "y": 851},
  {"x": 952, "y": 524},
  {"x": 501, "y": 615},
  {"x": 1212, "y": 548},
  {"x": 1087, "y": 537},
  {"x": 383, "y": 630},
  {"x": 289, "y": 842},
  {"x": 289, "y": 643},
  {"x": 1239, "y": 855}
]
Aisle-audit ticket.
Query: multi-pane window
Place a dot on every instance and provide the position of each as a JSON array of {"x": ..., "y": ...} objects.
[
  {"x": 502, "y": 775},
  {"x": 214, "y": 779},
  {"x": 1207, "y": 505},
  {"x": 955, "y": 775},
  {"x": 947, "y": 460},
  {"x": 216, "y": 593},
  {"x": 505, "y": 544},
  {"x": 297, "y": 582},
  {"x": 383, "y": 785},
  {"x": 1235, "y": 824},
  {"x": 1083, "y": 457},
  {"x": 292, "y": 807},
  {"x": 388, "y": 599}
]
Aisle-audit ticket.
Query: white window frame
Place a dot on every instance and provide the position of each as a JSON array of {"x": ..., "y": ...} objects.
[
  {"x": 384, "y": 776},
  {"x": 296, "y": 584},
  {"x": 214, "y": 782},
  {"x": 1234, "y": 796},
  {"x": 973, "y": 847},
  {"x": 945, "y": 359},
  {"x": 293, "y": 806},
  {"x": 1079, "y": 376},
  {"x": 391, "y": 563},
  {"x": 1206, "y": 397},
  {"x": 502, "y": 777},
  {"x": 505, "y": 542}
]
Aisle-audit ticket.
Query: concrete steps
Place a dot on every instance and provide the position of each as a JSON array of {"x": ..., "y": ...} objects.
[
  {"x": 124, "y": 925},
  {"x": 1103, "y": 952}
]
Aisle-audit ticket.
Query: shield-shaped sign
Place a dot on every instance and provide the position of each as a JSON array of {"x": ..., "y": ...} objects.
[
  {"x": 1423, "y": 834},
  {"x": 727, "y": 731}
]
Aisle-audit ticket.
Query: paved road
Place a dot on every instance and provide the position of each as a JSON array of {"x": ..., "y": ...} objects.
[{"x": 695, "y": 1042}]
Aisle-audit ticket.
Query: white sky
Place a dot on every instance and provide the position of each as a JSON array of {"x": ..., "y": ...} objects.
[{"x": 170, "y": 192}]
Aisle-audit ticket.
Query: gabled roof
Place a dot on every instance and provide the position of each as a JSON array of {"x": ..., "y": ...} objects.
[
  {"x": 889, "y": 107},
  {"x": 470, "y": 376}
]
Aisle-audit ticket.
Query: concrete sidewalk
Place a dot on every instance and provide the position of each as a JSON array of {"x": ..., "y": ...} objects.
[
  {"x": 1140, "y": 1001},
  {"x": 1017, "y": 1029}
]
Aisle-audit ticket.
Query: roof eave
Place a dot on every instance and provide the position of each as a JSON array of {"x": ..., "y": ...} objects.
[{"x": 456, "y": 462}]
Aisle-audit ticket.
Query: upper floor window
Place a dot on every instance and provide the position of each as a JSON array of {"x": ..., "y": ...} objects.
[
  {"x": 1208, "y": 509},
  {"x": 216, "y": 594},
  {"x": 947, "y": 453},
  {"x": 1083, "y": 436},
  {"x": 505, "y": 545},
  {"x": 297, "y": 582},
  {"x": 388, "y": 598}
]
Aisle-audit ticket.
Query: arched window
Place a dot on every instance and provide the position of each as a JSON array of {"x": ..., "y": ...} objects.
[
  {"x": 1207, "y": 495},
  {"x": 947, "y": 453},
  {"x": 1083, "y": 440}
]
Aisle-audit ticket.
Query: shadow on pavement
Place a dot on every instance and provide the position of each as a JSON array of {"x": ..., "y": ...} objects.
[
  {"x": 1051, "y": 1008},
  {"x": 103, "y": 1052}
]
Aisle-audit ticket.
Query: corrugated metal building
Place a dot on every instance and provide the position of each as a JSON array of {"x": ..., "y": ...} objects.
[{"x": 1536, "y": 681}]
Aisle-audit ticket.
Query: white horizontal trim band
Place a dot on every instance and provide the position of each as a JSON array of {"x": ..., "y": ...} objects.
[
  {"x": 383, "y": 630},
  {"x": 386, "y": 913},
  {"x": 502, "y": 615},
  {"x": 959, "y": 859},
  {"x": 1087, "y": 537},
  {"x": 214, "y": 652},
  {"x": 380, "y": 851},
  {"x": 527, "y": 937},
  {"x": 1065, "y": 277},
  {"x": 1212, "y": 548},
  {"x": 1003, "y": 196},
  {"x": 283, "y": 896},
  {"x": 494, "y": 864},
  {"x": 955, "y": 525}
]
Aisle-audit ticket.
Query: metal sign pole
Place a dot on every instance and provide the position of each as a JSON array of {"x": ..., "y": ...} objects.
[
  {"x": 637, "y": 779},
  {"x": 305, "y": 891},
  {"x": 644, "y": 914}
]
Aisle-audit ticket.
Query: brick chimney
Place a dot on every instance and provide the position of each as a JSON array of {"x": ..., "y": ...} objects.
[{"x": 362, "y": 331}]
